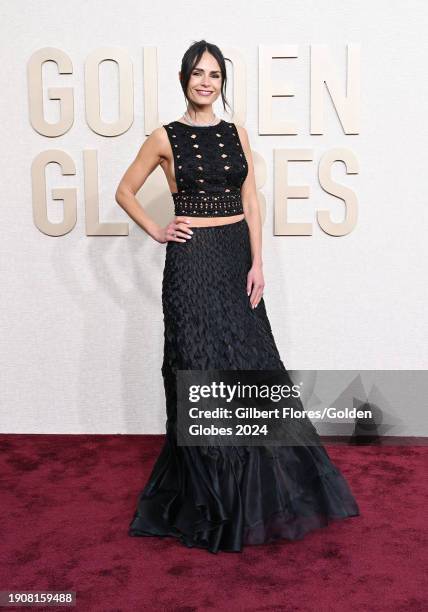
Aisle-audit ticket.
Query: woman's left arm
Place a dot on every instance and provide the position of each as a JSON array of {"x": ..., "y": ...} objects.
[{"x": 250, "y": 203}]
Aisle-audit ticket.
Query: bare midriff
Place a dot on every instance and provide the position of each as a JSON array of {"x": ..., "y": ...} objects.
[{"x": 212, "y": 221}]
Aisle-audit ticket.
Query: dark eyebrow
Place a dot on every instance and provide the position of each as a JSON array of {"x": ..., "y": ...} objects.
[{"x": 202, "y": 70}]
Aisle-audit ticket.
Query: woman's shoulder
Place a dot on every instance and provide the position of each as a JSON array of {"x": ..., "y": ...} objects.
[
  {"x": 173, "y": 122},
  {"x": 243, "y": 134},
  {"x": 158, "y": 138}
]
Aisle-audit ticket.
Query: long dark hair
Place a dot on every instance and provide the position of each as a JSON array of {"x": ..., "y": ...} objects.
[{"x": 192, "y": 57}]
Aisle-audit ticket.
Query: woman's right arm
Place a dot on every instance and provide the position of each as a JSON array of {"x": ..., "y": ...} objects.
[{"x": 148, "y": 158}]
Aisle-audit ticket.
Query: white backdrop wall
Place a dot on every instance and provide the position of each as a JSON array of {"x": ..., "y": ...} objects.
[{"x": 81, "y": 318}]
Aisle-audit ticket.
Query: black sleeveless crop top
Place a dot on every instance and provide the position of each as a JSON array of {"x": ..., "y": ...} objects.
[{"x": 210, "y": 168}]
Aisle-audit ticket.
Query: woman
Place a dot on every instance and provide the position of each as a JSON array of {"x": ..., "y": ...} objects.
[{"x": 219, "y": 497}]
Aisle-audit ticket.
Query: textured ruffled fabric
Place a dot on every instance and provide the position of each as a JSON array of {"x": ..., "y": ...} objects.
[{"x": 226, "y": 497}]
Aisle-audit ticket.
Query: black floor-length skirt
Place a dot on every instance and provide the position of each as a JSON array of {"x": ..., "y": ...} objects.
[{"x": 226, "y": 497}]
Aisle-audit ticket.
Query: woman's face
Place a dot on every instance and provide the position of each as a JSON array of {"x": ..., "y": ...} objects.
[{"x": 205, "y": 81}]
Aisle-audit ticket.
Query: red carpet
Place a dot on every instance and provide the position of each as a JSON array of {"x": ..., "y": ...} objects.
[{"x": 67, "y": 501}]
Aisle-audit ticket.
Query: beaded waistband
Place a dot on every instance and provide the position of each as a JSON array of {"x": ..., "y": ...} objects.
[{"x": 209, "y": 204}]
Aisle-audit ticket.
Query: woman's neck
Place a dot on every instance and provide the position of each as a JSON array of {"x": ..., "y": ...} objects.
[{"x": 203, "y": 118}]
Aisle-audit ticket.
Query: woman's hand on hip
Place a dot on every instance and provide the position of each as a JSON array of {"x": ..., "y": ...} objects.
[{"x": 177, "y": 230}]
